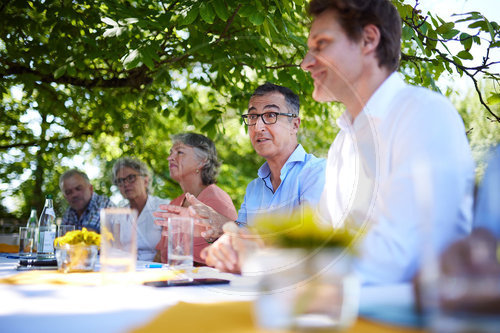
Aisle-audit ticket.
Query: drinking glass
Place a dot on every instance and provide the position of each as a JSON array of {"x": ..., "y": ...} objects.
[
  {"x": 118, "y": 240},
  {"x": 26, "y": 240},
  {"x": 180, "y": 242},
  {"x": 64, "y": 228}
]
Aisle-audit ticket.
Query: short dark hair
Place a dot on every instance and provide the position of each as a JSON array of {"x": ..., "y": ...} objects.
[
  {"x": 354, "y": 15},
  {"x": 291, "y": 99},
  {"x": 204, "y": 149}
]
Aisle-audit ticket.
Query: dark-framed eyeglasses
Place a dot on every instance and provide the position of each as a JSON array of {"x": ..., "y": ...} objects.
[
  {"x": 130, "y": 179},
  {"x": 268, "y": 118}
]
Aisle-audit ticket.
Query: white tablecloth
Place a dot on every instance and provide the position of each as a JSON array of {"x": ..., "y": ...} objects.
[
  {"x": 120, "y": 308},
  {"x": 64, "y": 308}
]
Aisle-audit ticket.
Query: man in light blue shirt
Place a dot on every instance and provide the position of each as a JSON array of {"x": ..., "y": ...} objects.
[
  {"x": 302, "y": 179},
  {"x": 289, "y": 177}
]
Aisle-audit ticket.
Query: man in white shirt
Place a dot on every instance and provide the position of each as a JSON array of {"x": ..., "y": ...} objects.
[{"x": 401, "y": 166}]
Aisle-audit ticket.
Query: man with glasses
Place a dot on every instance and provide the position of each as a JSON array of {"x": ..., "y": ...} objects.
[
  {"x": 289, "y": 177},
  {"x": 84, "y": 203}
]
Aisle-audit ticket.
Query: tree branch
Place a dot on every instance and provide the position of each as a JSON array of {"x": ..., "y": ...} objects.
[
  {"x": 136, "y": 78},
  {"x": 479, "y": 93},
  {"x": 229, "y": 22},
  {"x": 37, "y": 142}
]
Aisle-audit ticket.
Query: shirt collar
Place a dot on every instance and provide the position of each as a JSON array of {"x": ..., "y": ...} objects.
[
  {"x": 298, "y": 155},
  {"x": 390, "y": 88}
]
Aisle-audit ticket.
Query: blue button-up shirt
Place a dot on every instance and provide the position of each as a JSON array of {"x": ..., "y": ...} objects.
[
  {"x": 90, "y": 218},
  {"x": 302, "y": 181}
]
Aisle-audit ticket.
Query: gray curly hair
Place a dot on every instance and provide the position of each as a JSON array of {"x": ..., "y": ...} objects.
[
  {"x": 204, "y": 149},
  {"x": 135, "y": 164}
]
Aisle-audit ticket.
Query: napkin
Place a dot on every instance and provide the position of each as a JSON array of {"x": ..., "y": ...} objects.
[
  {"x": 234, "y": 317},
  {"x": 91, "y": 278}
]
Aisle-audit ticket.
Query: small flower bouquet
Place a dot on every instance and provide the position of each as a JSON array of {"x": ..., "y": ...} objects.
[
  {"x": 77, "y": 251},
  {"x": 302, "y": 229}
]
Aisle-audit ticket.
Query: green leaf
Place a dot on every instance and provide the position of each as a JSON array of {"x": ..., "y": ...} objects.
[
  {"x": 466, "y": 40},
  {"x": 207, "y": 13},
  {"x": 490, "y": 29},
  {"x": 221, "y": 9},
  {"x": 246, "y": 11},
  {"x": 71, "y": 70},
  {"x": 494, "y": 99},
  {"x": 450, "y": 34},
  {"x": 479, "y": 24},
  {"x": 191, "y": 15},
  {"x": 465, "y": 55},
  {"x": 257, "y": 18},
  {"x": 131, "y": 60},
  {"x": 60, "y": 72},
  {"x": 146, "y": 59},
  {"x": 444, "y": 28}
]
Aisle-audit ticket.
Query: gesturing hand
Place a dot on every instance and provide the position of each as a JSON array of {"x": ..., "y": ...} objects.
[
  {"x": 169, "y": 211},
  {"x": 206, "y": 217}
]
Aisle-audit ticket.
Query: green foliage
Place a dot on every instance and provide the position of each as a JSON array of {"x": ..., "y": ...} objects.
[{"x": 110, "y": 78}]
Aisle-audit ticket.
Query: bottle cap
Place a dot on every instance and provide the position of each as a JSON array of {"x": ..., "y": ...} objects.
[{"x": 49, "y": 196}]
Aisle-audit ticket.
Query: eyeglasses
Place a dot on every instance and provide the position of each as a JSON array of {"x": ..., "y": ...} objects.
[
  {"x": 130, "y": 179},
  {"x": 268, "y": 118}
]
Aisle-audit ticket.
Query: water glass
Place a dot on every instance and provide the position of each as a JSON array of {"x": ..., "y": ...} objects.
[
  {"x": 304, "y": 290},
  {"x": 64, "y": 228},
  {"x": 118, "y": 240},
  {"x": 26, "y": 241},
  {"x": 180, "y": 242}
]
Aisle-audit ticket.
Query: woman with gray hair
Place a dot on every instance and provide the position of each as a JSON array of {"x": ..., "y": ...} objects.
[
  {"x": 194, "y": 165},
  {"x": 133, "y": 178}
]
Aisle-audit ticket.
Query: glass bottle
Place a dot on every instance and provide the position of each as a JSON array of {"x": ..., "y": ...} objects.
[
  {"x": 47, "y": 230},
  {"x": 33, "y": 225}
]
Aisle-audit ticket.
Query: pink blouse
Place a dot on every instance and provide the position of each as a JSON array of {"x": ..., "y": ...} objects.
[{"x": 212, "y": 196}]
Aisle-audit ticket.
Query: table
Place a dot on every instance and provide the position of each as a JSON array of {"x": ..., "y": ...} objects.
[{"x": 120, "y": 308}]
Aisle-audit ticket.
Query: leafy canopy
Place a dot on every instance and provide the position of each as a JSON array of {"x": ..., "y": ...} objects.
[{"x": 109, "y": 78}]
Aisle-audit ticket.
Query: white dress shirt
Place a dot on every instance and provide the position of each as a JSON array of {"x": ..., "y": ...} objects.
[
  {"x": 148, "y": 233},
  {"x": 403, "y": 172}
]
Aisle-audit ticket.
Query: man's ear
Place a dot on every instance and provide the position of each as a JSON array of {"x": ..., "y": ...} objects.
[
  {"x": 295, "y": 124},
  {"x": 371, "y": 38},
  {"x": 91, "y": 188}
]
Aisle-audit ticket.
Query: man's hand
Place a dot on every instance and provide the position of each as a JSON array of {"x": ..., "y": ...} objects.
[
  {"x": 229, "y": 252},
  {"x": 169, "y": 211},
  {"x": 206, "y": 217}
]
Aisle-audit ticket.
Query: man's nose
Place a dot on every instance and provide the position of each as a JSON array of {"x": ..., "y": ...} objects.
[
  {"x": 259, "y": 125},
  {"x": 308, "y": 61}
]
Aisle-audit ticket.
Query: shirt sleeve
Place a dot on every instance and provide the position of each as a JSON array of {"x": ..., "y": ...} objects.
[
  {"x": 312, "y": 181},
  {"x": 242, "y": 213}
]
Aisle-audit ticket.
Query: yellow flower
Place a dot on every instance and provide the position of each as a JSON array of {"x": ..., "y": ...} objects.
[
  {"x": 302, "y": 229},
  {"x": 83, "y": 237}
]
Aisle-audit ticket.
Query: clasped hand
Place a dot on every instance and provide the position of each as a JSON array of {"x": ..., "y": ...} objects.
[{"x": 208, "y": 223}]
